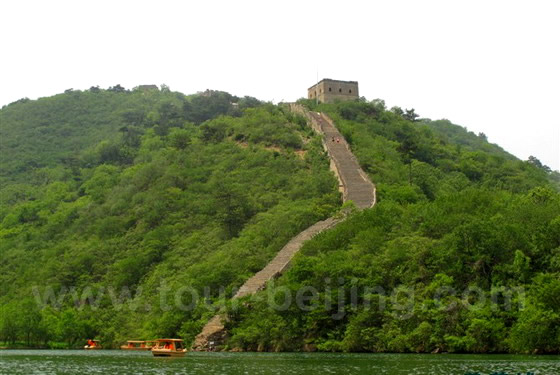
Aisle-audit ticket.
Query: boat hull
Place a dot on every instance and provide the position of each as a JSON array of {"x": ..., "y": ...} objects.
[
  {"x": 168, "y": 353},
  {"x": 124, "y": 347}
]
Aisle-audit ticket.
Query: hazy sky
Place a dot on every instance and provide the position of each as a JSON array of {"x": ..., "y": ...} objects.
[{"x": 492, "y": 66}]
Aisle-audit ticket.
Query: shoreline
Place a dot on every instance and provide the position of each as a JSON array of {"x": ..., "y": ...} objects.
[{"x": 299, "y": 352}]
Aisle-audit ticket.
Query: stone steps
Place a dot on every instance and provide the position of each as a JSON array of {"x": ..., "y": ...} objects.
[
  {"x": 356, "y": 187},
  {"x": 277, "y": 265}
]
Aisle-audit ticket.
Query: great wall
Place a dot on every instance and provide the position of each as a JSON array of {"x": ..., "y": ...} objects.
[{"x": 354, "y": 185}]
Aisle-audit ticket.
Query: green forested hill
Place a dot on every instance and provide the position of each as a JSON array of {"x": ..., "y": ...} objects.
[
  {"x": 119, "y": 206},
  {"x": 462, "y": 254},
  {"x": 161, "y": 197},
  {"x": 64, "y": 131}
]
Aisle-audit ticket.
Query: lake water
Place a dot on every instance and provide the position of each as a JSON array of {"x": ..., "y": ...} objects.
[{"x": 125, "y": 362}]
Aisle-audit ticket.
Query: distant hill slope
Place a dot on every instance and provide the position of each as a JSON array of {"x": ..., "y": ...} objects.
[{"x": 62, "y": 130}]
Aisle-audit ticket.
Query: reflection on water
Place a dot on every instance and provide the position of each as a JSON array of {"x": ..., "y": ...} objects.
[{"x": 126, "y": 362}]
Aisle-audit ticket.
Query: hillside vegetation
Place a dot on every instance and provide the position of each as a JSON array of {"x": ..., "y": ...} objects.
[
  {"x": 170, "y": 192},
  {"x": 118, "y": 208},
  {"x": 461, "y": 254}
]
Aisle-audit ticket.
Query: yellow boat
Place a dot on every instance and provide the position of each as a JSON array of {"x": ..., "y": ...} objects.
[
  {"x": 169, "y": 348},
  {"x": 137, "y": 345},
  {"x": 92, "y": 345}
]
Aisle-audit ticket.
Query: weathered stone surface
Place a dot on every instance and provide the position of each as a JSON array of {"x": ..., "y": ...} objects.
[
  {"x": 283, "y": 258},
  {"x": 330, "y": 90},
  {"x": 355, "y": 186},
  {"x": 212, "y": 336}
]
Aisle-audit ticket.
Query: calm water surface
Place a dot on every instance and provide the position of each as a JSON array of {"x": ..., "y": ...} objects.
[{"x": 123, "y": 362}]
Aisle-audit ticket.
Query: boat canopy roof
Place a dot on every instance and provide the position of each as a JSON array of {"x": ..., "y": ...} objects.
[
  {"x": 136, "y": 341},
  {"x": 176, "y": 340}
]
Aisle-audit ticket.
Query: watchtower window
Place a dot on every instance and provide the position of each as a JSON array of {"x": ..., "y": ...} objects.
[
  {"x": 350, "y": 91},
  {"x": 330, "y": 89},
  {"x": 339, "y": 90}
]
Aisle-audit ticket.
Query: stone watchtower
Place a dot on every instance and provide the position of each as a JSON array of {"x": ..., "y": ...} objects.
[{"x": 330, "y": 90}]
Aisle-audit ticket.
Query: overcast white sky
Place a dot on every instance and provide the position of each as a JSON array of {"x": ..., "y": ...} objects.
[{"x": 492, "y": 66}]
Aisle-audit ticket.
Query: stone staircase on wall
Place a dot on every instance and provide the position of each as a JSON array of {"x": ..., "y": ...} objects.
[
  {"x": 281, "y": 261},
  {"x": 355, "y": 186}
]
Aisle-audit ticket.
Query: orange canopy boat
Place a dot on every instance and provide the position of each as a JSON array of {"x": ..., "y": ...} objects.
[
  {"x": 92, "y": 344},
  {"x": 137, "y": 345},
  {"x": 169, "y": 348}
]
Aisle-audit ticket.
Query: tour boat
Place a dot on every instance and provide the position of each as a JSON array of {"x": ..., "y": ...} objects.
[
  {"x": 92, "y": 344},
  {"x": 168, "y": 348},
  {"x": 137, "y": 345}
]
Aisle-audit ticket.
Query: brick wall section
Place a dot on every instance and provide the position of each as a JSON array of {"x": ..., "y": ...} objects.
[{"x": 355, "y": 186}]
